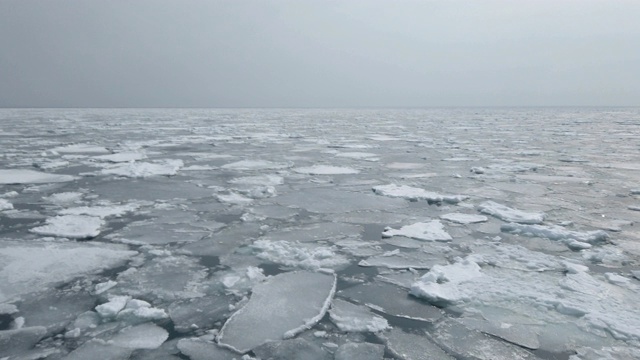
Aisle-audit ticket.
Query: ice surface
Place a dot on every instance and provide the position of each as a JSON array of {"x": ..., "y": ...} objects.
[
  {"x": 15, "y": 342},
  {"x": 325, "y": 170},
  {"x": 121, "y": 157},
  {"x": 199, "y": 313},
  {"x": 65, "y": 198},
  {"x": 511, "y": 215},
  {"x": 234, "y": 199},
  {"x": 103, "y": 350},
  {"x": 36, "y": 265},
  {"x": 402, "y": 260},
  {"x": 101, "y": 211},
  {"x": 428, "y": 231},
  {"x": 354, "y": 318},
  {"x": 407, "y": 346},
  {"x": 414, "y": 194},
  {"x": 391, "y": 300},
  {"x": 80, "y": 148},
  {"x": 145, "y": 169},
  {"x": 197, "y": 349},
  {"x": 360, "y": 351},
  {"x": 254, "y": 165},
  {"x": 328, "y": 201},
  {"x": 464, "y": 219},
  {"x": 273, "y": 314},
  {"x": 23, "y": 176},
  {"x": 71, "y": 226},
  {"x": 519, "y": 334},
  {"x": 258, "y": 180},
  {"x": 291, "y": 349},
  {"x": 144, "y": 336}
]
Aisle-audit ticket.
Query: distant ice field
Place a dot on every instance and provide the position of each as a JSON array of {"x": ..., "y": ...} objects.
[{"x": 465, "y": 233}]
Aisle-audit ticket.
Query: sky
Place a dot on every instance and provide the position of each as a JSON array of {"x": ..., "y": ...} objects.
[{"x": 319, "y": 53}]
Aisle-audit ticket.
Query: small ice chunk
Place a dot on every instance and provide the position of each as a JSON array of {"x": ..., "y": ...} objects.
[
  {"x": 167, "y": 167},
  {"x": 102, "y": 287},
  {"x": 8, "y": 309},
  {"x": 139, "y": 311},
  {"x": 22, "y": 176},
  {"x": 5, "y": 205},
  {"x": 110, "y": 309},
  {"x": 234, "y": 199},
  {"x": 429, "y": 231},
  {"x": 617, "y": 279},
  {"x": 511, "y": 215},
  {"x": 354, "y": 318},
  {"x": 464, "y": 219},
  {"x": 359, "y": 351},
  {"x": 415, "y": 194},
  {"x": 325, "y": 170},
  {"x": 65, "y": 197},
  {"x": 440, "y": 285},
  {"x": 273, "y": 314},
  {"x": 144, "y": 336},
  {"x": 71, "y": 226}
]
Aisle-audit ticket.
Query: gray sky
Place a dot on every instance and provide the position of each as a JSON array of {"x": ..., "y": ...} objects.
[{"x": 303, "y": 53}]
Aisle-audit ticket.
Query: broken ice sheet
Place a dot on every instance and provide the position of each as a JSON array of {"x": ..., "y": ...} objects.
[
  {"x": 415, "y": 194},
  {"x": 325, "y": 170},
  {"x": 329, "y": 201},
  {"x": 573, "y": 239},
  {"x": 355, "y": 318},
  {"x": 464, "y": 219},
  {"x": 198, "y": 349},
  {"x": 303, "y": 255},
  {"x": 25, "y": 176},
  {"x": 298, "y": 348},
  {"x": 391, "y": 300},
  {"x": 522, "y": 335},
  {"x": 403, "y": 260},
  {"x": 279, "y": 308},
  {"x": 407, "y": 346},
  {"x": 138, "y": 169}
]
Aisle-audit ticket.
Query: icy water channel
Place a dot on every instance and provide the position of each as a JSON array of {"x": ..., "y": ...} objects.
[{"x": 320, "y": 234}]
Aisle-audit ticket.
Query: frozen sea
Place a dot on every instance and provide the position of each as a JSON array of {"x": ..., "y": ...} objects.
[{"x": 465, "y": 233}]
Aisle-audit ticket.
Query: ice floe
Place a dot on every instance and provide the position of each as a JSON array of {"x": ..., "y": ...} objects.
[
  {"x": 271, "y": 314},
  {"x": 354, "y": 318},
  {"x": 510, "y": 215},
  {"x": 255, "y": 165},
  {"x": 325, "y": 170},
  {"x": 71, "y": 226},
  {"x": 34, "y": 266},
  {"x": 80, "y": 148},
  {"x": 415, "y": 194},
  {"x": 295, "y": 254},
  {"x": 573, "y": 239},
  {"x": 24, "y": 176},
  {"x": 145, "y": 169},
  {"x": 5, "y": 205},
  {"x": 121, "y": 157},
  {"x": 464, "y": 219},
  {"x": 102, "y": 212},
  {"x": 428, "y": 231}
]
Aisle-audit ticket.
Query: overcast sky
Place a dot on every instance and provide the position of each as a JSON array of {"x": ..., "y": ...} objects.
[{"x": 303, "y": 53}]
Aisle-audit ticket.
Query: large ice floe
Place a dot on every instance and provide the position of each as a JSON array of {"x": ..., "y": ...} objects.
[
  {"x": 253, "y": 234},
  {"x": 264, "y": 318}
]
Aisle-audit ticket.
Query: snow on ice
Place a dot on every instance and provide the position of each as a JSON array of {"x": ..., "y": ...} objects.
[
  {"x": 510, "y": 215},
  {"x": 71, "y": 226},
  {"x": 428, "y": 231},
  {"x": 415, "y": 194},
  {"x": 23, "y": 176}
]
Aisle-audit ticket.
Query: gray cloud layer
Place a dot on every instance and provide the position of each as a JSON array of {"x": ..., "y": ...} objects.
[{"x": 303, "y": 53}]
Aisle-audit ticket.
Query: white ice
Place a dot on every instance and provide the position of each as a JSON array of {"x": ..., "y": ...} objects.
[
  {"x": 510, "y": 215},
  {"x": 80, "y": 148},
  {"x": 71, "y": 226},
  {"x": 144, "y": 336},
  {"x": 573, "y": 239},
  {"x": 355, "y": 318},
  {"x": 325, "y": 170},
  {"x": 255, "y": 165},
  {"x": 414, "y": 194},
  {"x": 135, "y": 169},
  {"x": 5, "y": 205},
  {"x": 101, "y": 211},
  {"x": 233, "y": 199},
  {"x": 302, "y": 255},
  {"x": 428, "y": 231},
  {"x": 258, "y": 180},
  {"x": 36, "y": 265},
  {"x": 65, "y": 198},
  {"x": 272, "y": 313},
  {"x": 24, "y": 176}
]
